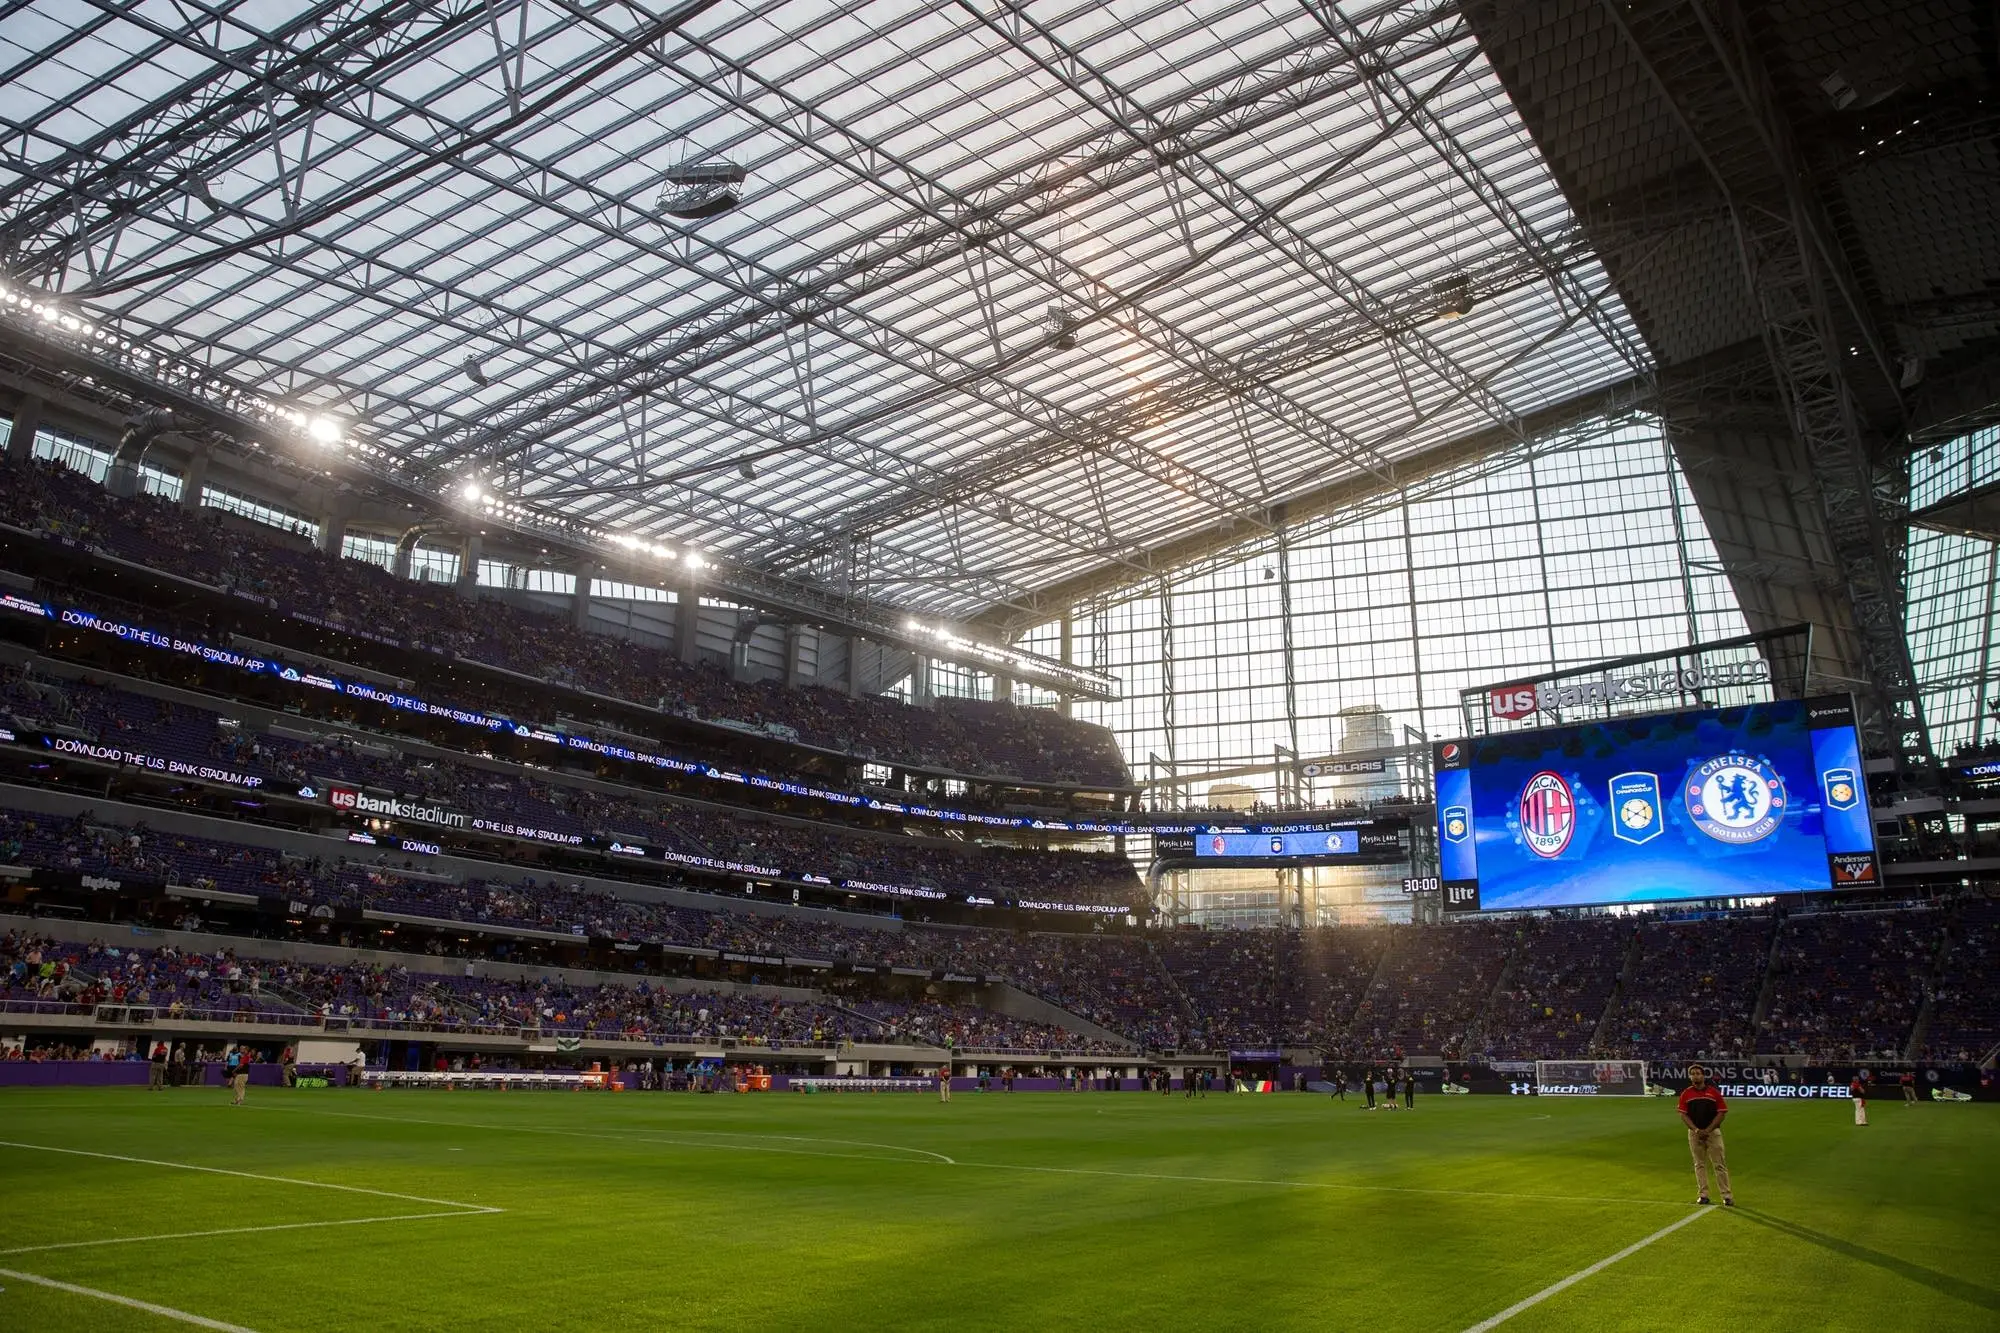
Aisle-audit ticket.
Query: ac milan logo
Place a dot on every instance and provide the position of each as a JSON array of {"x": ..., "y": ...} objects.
[{"x": 1548, "y": 814}]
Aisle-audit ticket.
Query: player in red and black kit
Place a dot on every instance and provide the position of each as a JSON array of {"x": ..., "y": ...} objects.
[{"x": 1702, "y": 1111}]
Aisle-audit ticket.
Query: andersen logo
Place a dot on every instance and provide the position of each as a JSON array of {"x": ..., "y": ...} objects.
[{"x": 386, "y": 807}]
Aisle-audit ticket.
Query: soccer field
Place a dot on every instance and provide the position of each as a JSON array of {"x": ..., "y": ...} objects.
[{"x": 424, "y": 1210}]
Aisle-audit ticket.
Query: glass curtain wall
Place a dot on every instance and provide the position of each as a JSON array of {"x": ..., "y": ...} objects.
[
  {"x": 1550, "y": 555},
  {"x": 1953, "y": 582}
]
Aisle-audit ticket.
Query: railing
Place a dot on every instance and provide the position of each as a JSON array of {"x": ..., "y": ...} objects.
[{"x": 154, "y": 1014}]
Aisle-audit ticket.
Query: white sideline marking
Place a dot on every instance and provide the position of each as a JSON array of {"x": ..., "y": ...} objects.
[
  {"x": 235, "y": 1231},
  {"x": 252, "y": 1175},
  {"x": 1554, "y": 1288},
  {"x": 164, "y": 1311}
]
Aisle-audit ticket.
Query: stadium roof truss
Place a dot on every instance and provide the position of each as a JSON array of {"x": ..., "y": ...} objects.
[{"x": 1013, "y": 293}]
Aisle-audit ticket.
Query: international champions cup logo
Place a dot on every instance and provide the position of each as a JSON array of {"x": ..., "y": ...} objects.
[
  {"x": 1548, "y": 814},
  {"x": 1735, "y": 798}
]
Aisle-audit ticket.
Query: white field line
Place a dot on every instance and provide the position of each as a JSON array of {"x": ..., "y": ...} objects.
[
  {"x": 238, "y": 1231},
  {"x": 252, "y": 1175},
  {"x": 1484, "y": 1325},
  {"x": 647, "y": 1137},
  {"x": 164, "y": 1311}
]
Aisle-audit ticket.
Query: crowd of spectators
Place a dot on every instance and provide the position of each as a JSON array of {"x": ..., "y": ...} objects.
[
  {"x": 1555, "y": 990},
  {"x": 1844, "y": 986},
  {"x": 286, "y": 574},
  {"x": 1694, "y": 989},
  {"x": 1965, "y": 1011},
  {"x": 1847, "y": 985},
  {"x": 793, "y": 848},
  {"x": 1434, "y": 983},
  {"x": 223, "y": 986}
]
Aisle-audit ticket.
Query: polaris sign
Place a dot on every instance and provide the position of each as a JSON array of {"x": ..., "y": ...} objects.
[{"x": 1524, "y": 699}]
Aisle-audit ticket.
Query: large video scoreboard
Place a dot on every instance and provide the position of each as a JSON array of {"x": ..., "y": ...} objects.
[{"x": 1724, "y": 803}]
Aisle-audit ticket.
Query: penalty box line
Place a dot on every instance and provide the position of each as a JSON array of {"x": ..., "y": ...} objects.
[
  {"x": 1556, "y": 1288},
  {"x": 465, "y": 1208},
  {"x": 454, "y": 1207},
  {"x": 130, "y": 1303}
]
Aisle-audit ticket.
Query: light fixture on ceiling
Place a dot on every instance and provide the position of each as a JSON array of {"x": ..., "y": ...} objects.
[
  {"x": 747, "y": 470},
  {"x": 1060, "y": 325},
  {"x": 1454, "y": 296},
  {"x": 475, "y": 372},
  {"x": 324, "y": 430},
  {"x": 474, "y": 492},
  {"x": 695, "y": 190}
]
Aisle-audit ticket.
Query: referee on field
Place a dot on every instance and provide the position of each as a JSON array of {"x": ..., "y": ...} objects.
[{"x": 1702, "y": 1111}]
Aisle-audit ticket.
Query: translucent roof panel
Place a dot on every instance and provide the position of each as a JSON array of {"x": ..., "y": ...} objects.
[{"x": 1011, "y": 293}]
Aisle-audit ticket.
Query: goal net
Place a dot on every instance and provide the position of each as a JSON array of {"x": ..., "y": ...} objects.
[{"x": 1590, "y": 1078}]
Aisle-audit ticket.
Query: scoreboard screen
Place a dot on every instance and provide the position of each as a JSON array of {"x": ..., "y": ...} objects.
[
  {"x": 1725, "y": 803},
  {"x": 1234, "y": 846},
  {"x": 1333, "y": 842}
]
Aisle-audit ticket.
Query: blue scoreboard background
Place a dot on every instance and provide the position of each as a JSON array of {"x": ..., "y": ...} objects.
[{"x": 1726, "y": 803}]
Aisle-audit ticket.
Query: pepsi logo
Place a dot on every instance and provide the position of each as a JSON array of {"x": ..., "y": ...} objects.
[{"x": 1449, "y": 752}]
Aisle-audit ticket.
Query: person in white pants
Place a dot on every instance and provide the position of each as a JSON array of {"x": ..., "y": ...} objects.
[{"x": 1859, "y": 1092}]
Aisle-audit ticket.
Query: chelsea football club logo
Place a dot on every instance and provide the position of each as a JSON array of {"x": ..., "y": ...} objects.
[{"x": 1735, "y": 798}]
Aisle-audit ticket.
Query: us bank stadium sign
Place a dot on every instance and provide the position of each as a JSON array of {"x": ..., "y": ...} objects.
[
  {"x": 1524, "y": 700},
  {"x": 1753, "y": 668}
]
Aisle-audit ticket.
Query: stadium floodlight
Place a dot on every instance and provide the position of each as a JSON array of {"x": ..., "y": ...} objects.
[
  {"x": 1454, "y": 296},
  {"x": 323, "y": 429},
  {"x": 694, "y": 561},
  {"x": 697, "y": 190},
  {"x": 473, "y": 492}
]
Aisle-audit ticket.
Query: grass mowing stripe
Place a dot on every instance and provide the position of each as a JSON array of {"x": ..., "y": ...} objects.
[
  {"x": 1556, "y": 1288},
  {"x": 238, "y": 1231},
  {"x": 654, "y": 1137},
  {"x": 252, "y": 1175},
  {"x": 1375, "y": 1189},
  {"x": 651, "y": 1137},
  {"x": 164, "y": 1311}
]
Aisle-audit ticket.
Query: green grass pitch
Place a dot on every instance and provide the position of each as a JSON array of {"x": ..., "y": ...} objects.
[{"x": 1021, "y": 1212}]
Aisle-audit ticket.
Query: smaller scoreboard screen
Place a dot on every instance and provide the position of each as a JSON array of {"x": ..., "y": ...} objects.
[
  {"x": 1722, "y": 803},
  {"x": 1374, "y": 841},
  {"x": 1333, "y": 842}
]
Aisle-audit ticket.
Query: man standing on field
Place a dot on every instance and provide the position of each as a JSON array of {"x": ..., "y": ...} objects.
[{"x": 1702, "y": 1110}]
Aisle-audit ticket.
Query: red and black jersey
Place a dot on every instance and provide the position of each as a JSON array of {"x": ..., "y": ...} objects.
[
  {"x": 1858, "y": 1090},
  {"x": 1703, "y": 1105}
]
